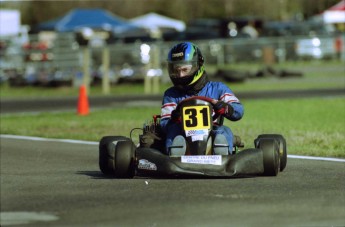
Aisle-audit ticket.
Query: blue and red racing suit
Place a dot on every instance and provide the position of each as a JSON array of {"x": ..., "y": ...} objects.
[{"x": 215, "y": 90}]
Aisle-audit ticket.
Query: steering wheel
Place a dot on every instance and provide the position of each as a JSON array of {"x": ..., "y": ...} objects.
[{"x": 203, "y": 98}]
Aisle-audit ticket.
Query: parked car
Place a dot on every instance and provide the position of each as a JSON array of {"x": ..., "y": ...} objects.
[
  {"x": 316, "y": 47},
  {"x": 318, "y": 42}
]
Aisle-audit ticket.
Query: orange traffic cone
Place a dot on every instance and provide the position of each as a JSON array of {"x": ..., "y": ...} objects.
[{"x": 83, "y": 102}]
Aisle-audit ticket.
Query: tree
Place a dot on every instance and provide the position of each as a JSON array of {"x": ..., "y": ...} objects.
[{"x": 34, "y": 12}]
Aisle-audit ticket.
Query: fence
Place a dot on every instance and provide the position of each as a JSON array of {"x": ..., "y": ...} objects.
[{"x": 67, "y": 62}]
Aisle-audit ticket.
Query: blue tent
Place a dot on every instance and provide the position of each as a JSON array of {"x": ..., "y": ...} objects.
[{"x": 80, "y": 18}]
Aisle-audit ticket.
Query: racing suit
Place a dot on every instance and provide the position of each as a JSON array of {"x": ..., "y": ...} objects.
[{"x": 215, "y": 90}]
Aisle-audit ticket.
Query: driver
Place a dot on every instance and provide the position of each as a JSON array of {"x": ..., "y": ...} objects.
[{"x": 187, "y": 73}]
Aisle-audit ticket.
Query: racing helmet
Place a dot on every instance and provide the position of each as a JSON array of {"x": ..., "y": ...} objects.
[{"x": 185, "y": 65}]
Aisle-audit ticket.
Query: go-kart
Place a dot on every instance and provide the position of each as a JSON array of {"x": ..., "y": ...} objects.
[{"x": 120, "y": 157}]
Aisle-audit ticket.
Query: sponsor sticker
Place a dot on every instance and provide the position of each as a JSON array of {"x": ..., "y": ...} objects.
[
  {"x": 196, "y": 132},
  {"x": 203, "y": 159},
  {"x": 145, "y": 164},
  {"x": 197, "y": 138},
  {"x": 177, "y": 55}
]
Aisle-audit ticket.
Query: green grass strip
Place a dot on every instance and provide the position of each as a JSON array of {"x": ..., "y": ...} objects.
[{"x": 313, "y": 126}]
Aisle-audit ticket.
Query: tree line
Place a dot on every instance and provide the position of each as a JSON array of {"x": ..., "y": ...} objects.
[{"x": 34, "y": 12}]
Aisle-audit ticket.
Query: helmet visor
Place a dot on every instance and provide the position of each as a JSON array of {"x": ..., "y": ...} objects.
[{"x": 182, "y": 69}]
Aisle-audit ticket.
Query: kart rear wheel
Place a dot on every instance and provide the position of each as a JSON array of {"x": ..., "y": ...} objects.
[
  {"x": 116, "y": 156},
  {"x": 271, "y": 159},
  {"x": 282, "y": 147}
]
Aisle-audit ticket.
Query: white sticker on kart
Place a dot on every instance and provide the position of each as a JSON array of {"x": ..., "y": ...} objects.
[
  {"x": 197, "y": 138},
  {"x": 203, "y": 159},
  {"x": 200, "y": 132},
  {"x": 145, "y": 164}
]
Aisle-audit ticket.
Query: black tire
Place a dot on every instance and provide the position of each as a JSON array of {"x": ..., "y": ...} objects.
[
  {"x": 107, "y": 154},
  {"x": 271, "y": 159},
  {"x": 124, "y": 159},
  {"x": 282, "y": 147}
]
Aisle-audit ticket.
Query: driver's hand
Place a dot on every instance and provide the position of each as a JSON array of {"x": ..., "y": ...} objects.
[
  {"x": 222, "y": 108},
  {"x": 175, "y": 116}
]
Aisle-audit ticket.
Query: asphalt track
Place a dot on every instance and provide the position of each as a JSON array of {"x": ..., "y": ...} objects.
[{"x": 58, "y": 183}]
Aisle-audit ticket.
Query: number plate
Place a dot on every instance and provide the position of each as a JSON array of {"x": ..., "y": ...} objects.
[
  {"x": 196, "y": 117},
  {"x": 203, "y": 159}
]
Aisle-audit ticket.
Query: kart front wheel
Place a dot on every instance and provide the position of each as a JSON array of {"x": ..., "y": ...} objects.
[
  {"x": 271, "y": 159},
  {"x": 282, "y": 147},
  {"x": 116, "y": 156}
]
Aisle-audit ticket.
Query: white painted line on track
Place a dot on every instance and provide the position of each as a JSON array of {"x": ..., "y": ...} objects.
[
  {"x": 96, "y": 143},
  {"x": 317, "y": 158},
  {"x": 48, "y": 139},
  {"x": 25, "y": 217}
]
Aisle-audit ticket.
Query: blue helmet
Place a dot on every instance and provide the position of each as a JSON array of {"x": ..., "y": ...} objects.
[{"x": 188, "y": 56}]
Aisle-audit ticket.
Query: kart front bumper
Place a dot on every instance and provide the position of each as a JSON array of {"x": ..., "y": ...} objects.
[{"x": 152, "y": 163}]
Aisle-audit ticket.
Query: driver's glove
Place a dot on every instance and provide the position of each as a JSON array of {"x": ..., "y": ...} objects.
[
  {"x": 175, "y": 116},
  {"x": 222, "y": 108}
]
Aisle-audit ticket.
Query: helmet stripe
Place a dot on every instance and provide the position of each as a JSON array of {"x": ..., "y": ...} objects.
[
  {"x": 198, "y": 75},
  {"x": 189, "y": 51}
]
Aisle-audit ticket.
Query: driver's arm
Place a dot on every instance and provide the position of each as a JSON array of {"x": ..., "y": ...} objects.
[
  {"x": 238, "y": 111},
  {"x": 168, "y": 106},
  {"x": 229, "y": 106}
]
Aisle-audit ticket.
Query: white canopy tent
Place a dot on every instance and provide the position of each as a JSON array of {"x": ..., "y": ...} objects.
[
  {"x": 155, "y": 22},
  {"x": 335, "y": 14}
]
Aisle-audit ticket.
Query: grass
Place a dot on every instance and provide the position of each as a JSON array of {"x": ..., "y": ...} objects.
[
  {"x": 8, "y": 92},
  {"x": 311, "y": 126},
  {"x": 117, "y": 121}
]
